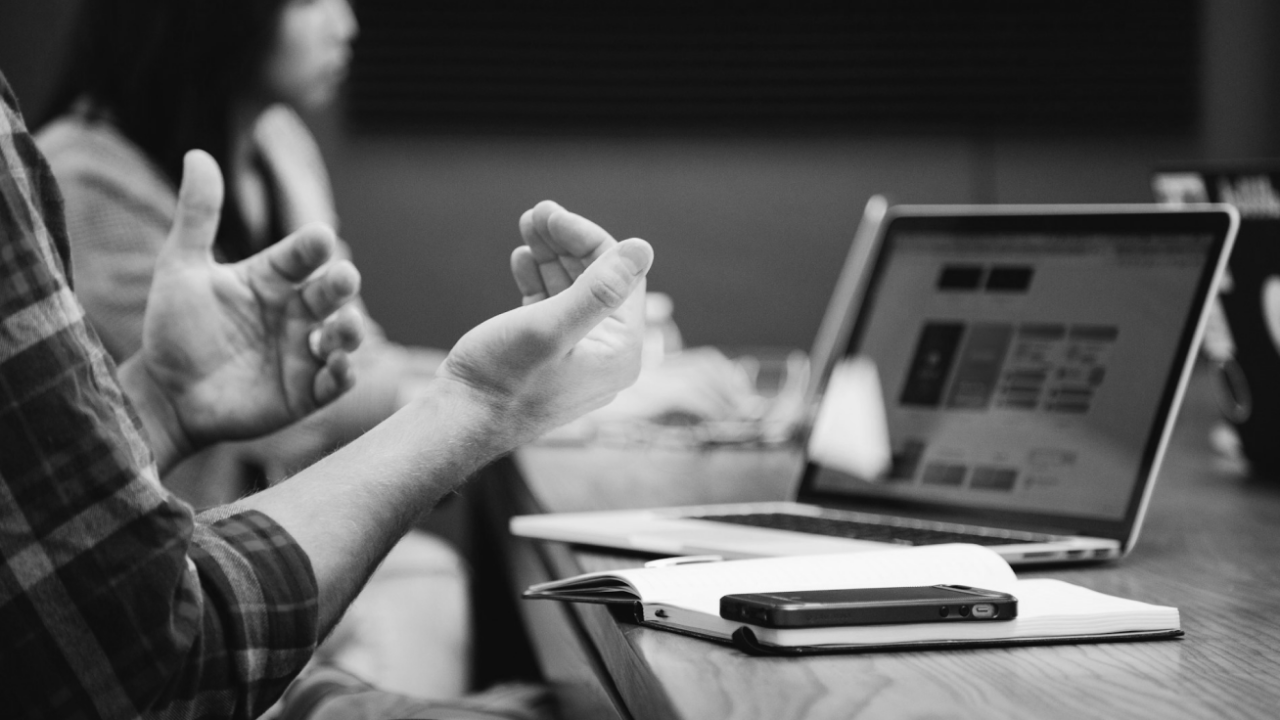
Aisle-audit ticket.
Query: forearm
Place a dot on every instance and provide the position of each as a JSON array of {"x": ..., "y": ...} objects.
[{"x": 347, "y": 510}]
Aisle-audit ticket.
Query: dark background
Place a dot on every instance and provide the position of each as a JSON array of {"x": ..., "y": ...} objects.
[{"x": 742, "y": 142}]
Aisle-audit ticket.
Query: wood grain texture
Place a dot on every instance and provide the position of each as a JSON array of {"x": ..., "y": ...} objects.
[
  {"x": 570, "y": 664},
  {"x": 1210, "y": 546}
]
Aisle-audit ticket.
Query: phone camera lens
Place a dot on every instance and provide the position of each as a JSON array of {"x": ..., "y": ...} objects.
[{"x": 964, "y": 611}]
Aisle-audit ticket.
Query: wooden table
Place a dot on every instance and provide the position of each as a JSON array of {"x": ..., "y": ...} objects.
[{"x": 1210, "y": 546}]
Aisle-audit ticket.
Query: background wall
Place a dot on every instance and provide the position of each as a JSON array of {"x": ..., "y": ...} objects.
[{"x": 750, "y": 231}]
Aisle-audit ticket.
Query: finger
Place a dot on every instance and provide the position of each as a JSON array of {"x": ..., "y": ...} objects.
[
  {"x": 314, "y": 339},
  {"x": 565, "y": 236},
  {"x": 533, "y": 229},
  {"x": 525, "y": 271},
  {"x": 195, "y": 224},
  {"x": 294, "y": 258},
  {"x": 342, "y": 331},
  {"x": 331, "y": 288},
  {"x": 555, "y": 277},
  {"x": 605, "y": 288},
  {"x": 578, "y": 240},
  {"x": 572, "y": 240},
  {"x": 537, "y": 236},
  {"x": 573, "y": 266},
  {"x": 335, "y": 378}
]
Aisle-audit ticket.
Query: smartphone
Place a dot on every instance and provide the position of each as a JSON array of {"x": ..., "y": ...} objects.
[{"x": 869, "y": 606}]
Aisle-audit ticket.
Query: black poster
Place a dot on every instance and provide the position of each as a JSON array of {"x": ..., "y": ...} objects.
[{"x": 1249, "y": 301}]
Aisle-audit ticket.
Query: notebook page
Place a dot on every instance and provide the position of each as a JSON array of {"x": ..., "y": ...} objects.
[{"x": 1046, "y": 609}]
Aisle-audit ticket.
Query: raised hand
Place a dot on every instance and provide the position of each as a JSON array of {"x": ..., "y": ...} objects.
[
  {"x": 574, "y": 344},
  {"x": 238, "y": 350},
  {"x": 559, "y": 245}
]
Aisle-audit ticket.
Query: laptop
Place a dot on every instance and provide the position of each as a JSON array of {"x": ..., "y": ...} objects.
[{"x": 1001, "y": 375}]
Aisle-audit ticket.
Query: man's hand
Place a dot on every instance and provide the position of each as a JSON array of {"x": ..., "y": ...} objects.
[
  {"x": 236, "y": 351},
  {"x": 507, "y": 381},
  {"x": 574, "y": 344},
  {"x": 559, "y": 245}
]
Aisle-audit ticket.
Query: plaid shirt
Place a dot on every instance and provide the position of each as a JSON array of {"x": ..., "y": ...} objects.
[{"x": 115, "y": 601}]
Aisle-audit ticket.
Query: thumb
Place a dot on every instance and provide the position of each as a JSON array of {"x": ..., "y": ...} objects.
[
  {"x": 601, "y": 290},
  {"x": 199, "y": 205}
]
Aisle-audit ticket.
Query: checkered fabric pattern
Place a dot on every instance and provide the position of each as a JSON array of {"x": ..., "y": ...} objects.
[{"x": 115, "y": 600}]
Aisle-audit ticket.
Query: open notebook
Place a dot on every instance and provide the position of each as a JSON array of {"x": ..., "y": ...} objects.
[
  {"x": 1005, "y": 376},
  {"x": 686, "y": 598}
]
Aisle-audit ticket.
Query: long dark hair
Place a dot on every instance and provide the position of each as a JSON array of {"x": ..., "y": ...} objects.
[{"x": 166, "y": 72}]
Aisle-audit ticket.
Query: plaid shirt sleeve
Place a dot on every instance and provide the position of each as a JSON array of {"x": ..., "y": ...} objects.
[{"x": 115, "y": 601}]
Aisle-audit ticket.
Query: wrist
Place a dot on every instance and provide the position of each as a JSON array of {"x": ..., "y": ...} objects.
[
  {"x": 474, "y": 419},
  {"x": 168, "y": 440}
]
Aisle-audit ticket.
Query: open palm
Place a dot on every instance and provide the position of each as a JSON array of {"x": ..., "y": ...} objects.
[{"x": 231, "y": 347}]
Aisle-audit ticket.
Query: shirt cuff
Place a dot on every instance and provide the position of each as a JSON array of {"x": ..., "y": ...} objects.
[{"x": 260, "y": 583}]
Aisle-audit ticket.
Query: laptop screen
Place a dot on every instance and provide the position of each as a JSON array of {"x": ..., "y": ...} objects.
[{"x": 1015, "y": 366}]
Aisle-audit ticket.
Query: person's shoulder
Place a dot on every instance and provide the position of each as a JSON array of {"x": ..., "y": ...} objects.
[
  {"x": 294, "y": 156},
  {"x": 281, "y": 132},
  {"x": 92, "y": 152},
  {"x": 80, "y": 144},
  {"x": 280, "y": 120}
]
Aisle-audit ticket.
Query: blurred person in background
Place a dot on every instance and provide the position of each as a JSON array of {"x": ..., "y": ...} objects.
[{"x": 149, "y": 80}]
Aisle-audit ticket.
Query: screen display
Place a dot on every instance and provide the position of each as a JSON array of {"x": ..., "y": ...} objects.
[{"x": 1009, "y": 372}]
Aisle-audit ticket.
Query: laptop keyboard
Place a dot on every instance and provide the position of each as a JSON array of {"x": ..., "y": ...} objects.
[{"x": 878, "y": 532}]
